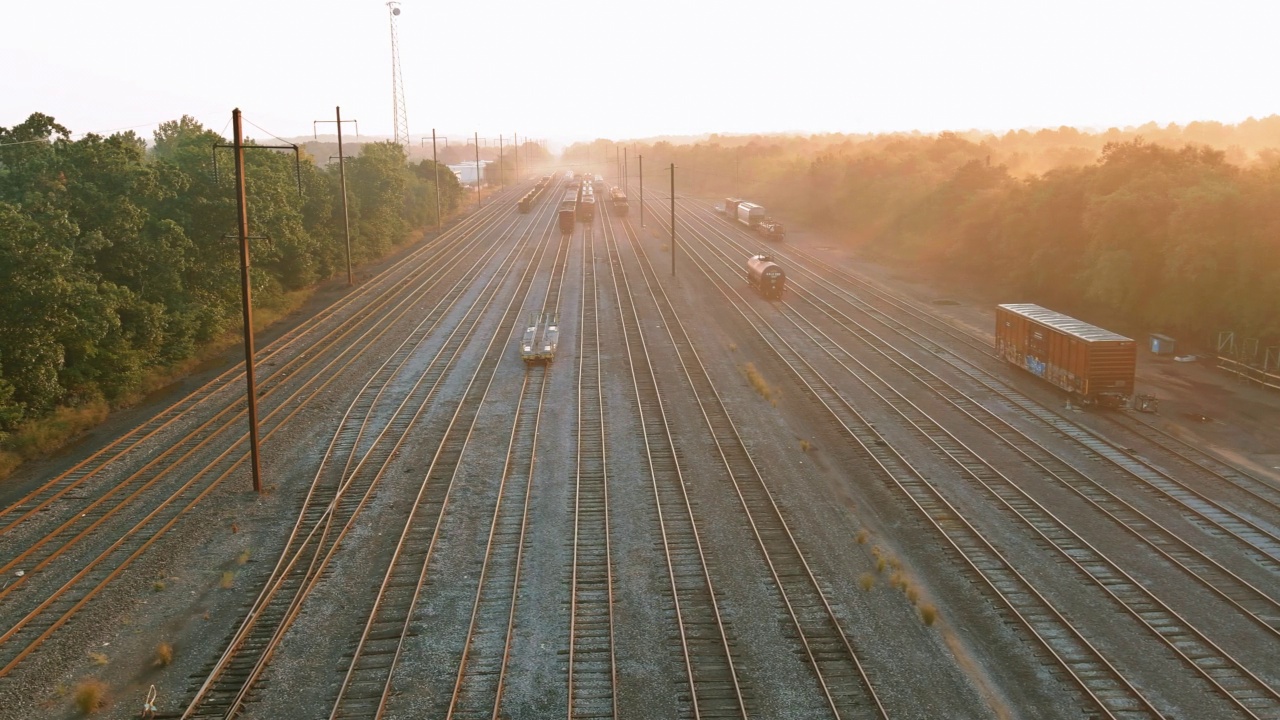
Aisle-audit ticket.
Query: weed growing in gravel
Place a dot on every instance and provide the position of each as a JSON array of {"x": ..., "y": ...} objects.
[
  {"x": 157, "y": 586},
  {"x": 733, "y": 346},
  {"x": 228, "y": 579},
  {"x": 805, "y": 445},
  {"x": 164, "y": 655},
  {"x": 867, "y": 581},
  {"x": 928, "y": 613},
  {"x": 913, "y": 593},
  {"x": 99, "y": 658},
  {"x": 758, "y": 382},
  {"x": 242, "y": 558},
  {"x": 91, "y": 695},
  {"x": 863, "y": 537},
  {"x": 234, "y": 528}
]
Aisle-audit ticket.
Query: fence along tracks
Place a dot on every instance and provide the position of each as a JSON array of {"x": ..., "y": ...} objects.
[
  {"x": 1232, "y": 680},
  {"x": 138, "y": 535},
  {"x": 328, "y": 515}
]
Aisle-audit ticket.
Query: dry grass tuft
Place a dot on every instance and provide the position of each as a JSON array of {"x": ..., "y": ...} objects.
[
  {"x": 805, "y": 445},
  {"x": 90, "y": 695},
  {"x": 157, "y": 586},
  {"x": 733, "y": 346},
  {"x": 863, "y": 537},
  {"x": 758, "y": 382},
  {"x": 867, "y": 581},
  {"x": 242, "y": 558},
  {"x": 228, "y": 579},
  {"x": 928, "y": 613},
  {"x": 99, "y": 658},
  {"x": 164, "y": 655},
  {"x": 234, "y": 528}
]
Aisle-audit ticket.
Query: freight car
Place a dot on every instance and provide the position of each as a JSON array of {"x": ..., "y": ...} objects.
[
  {"x": 1094, "y": 365},
  {"x": 771, "y": 230},
  {"x": 765, "y": 276},
  {"x": 618, "y": 201},
  {"x": 568, "y": 211},
  {"x": 586, "y": 203},
  {"x": 541, "y": 337},
  {"x": 750, "y": 214},
  {"x": 730, "y": 208}
]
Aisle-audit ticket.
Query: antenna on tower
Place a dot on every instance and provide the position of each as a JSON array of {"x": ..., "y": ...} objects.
[{"x": 399, "y": 114}]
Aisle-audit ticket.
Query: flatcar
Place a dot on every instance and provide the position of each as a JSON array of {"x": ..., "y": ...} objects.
[
  {"x": 1094, "y": 365},
  {"x": 766, "y": 277},
  {"x": 541, "y": 337}
]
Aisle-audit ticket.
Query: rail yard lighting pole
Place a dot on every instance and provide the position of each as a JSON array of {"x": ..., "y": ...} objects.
[{"x": 342, "y": 173}]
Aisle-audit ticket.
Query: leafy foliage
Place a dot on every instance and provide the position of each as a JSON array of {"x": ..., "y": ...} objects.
[
  {"x": 115, "y": 260},
  {"x": 1143, "y": 230}
]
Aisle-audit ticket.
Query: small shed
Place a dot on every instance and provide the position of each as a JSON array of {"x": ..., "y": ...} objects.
[{"x": 1162, "y": 344}]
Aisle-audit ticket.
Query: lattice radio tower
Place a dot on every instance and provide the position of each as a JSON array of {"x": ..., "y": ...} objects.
[{"x": 399, "y": 113}]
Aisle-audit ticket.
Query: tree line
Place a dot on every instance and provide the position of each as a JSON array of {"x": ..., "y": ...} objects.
[
  {"x": 115, "y": 258},
  {"x": 1135, "y": 234}
]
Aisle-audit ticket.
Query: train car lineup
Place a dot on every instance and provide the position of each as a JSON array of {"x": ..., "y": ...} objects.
[
  {"x": 1095, "y": 366},
  {"x": 754, "y": 217}
]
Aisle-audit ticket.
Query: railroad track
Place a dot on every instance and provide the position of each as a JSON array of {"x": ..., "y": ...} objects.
[
  {"x": 133, "y": 530},
  {"x": 593, "y": 679},
  {"x": 714, "y": 686},
  {"x": 486, "y": 653},
  {"x": 979, "y": 361},
  {"x": 1102, "y": 686},
  {"x": 839, "y": 673},
  {"x": 330, "y": 512},
  {"x": 1250, "y": 694}
]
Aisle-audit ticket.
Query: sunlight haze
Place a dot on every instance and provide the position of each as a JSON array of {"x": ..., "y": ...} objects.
[{"x": 569, "y": 71}]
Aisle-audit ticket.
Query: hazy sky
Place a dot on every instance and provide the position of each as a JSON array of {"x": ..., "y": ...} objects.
[{"x": 581, "y": 70}]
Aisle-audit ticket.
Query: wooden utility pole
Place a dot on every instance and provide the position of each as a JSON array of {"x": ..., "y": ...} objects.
[
  {"x": 673, "y": 219},
  {"x": 246, "y": 300},
  {"x": 436, "y": 164},
  {"x": 641, "y": 191},
  {"x": 342, "y": 173}
]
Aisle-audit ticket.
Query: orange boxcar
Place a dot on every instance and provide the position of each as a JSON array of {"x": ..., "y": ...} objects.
[{"x": 1093, "y": 364}]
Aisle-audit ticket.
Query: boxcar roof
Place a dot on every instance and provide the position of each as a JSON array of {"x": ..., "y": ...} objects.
[{"x": 1065, "y": 323}]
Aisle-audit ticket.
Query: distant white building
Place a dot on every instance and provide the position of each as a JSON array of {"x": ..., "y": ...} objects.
[{"x": 466, "y": 171}]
